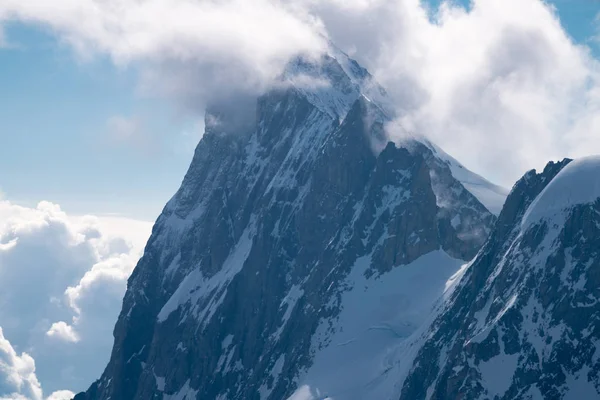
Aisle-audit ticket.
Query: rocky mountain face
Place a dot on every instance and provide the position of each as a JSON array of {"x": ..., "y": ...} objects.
[
  {"x": 523, "y": 323},
  {"x": 299, "y": 236},
  {"x": 306, "y": 257}
]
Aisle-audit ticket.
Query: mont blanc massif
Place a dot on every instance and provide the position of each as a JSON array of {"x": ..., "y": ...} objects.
[{"x": 306, "y": 256}]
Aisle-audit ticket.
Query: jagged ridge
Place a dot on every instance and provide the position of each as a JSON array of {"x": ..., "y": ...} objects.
[
  {"x": 249, "y": 261},
  {"x": 524, "y": 322}
]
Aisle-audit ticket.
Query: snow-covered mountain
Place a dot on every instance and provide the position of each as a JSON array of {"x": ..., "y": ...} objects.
[
  {"x": 524, "y": 320},
  {"x": 306, "y": 257},
  {"x": 299, "y": 251}
]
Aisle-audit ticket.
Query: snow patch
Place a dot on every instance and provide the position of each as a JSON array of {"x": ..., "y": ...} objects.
[
  {"x": 185, "y": 393},
  {"x": 579, "y": 387},
  {"x": 195, "y": 288},
  {"x": 498, "y": 372},
  {"x": 577, "y": 183},
  {"x": 363, "y": 357},
  {"x": 226, "y": 342},
  {"x": 160, "y": 382},
  {"x": 289, "y": 302},
  {"x": 266, "y": 389}
]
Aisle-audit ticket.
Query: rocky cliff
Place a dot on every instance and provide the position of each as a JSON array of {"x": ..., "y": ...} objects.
[{"x": 296, "y": 224}]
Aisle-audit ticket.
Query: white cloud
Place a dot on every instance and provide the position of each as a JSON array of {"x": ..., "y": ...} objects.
[
  {"x": 185, "y": 48},
  {"x": 62, "y": 280},
  {"x": 63, "y": 331},
  {"x": 17, "y": 374},
  {"x": 61, "y": 395},
  {"x": 501, "y": 86}
]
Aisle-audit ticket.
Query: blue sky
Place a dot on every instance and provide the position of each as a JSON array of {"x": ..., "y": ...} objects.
[
  {"x": 56, "y": 136},
  {"x": 55, "y": 110},
  {"x": 580, "y": 19}
]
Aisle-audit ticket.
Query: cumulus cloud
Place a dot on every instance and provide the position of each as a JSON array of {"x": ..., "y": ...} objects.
[
  {"x": 499, "y": 85},
  {"x": 61, "y": 395},
  {"x": 62, "y": 280},
  {"x": 185, "y": 48},
  {"x": 63, "y": 331},
  {"x": 17, "y": 374}
]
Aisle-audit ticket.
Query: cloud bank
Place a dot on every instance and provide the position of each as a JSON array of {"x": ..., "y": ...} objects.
[
  {"x": 186, "y": 49},
  {"x": 500, "y": 85},
  {"x": 62, "y": 280}
]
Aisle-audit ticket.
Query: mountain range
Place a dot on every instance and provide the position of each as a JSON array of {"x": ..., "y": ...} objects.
[{"x": 307, "y": 255}]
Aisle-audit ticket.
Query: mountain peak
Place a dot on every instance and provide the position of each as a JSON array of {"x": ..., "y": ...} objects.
[
  {"x": 333, "y": 82},
  {"x": 521, "y": 323},
  {"x": 577, "y": 183},
  {"x": 288, "y": 218}
]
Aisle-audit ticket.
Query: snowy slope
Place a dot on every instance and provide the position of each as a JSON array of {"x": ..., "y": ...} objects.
[
  {"x": 379, "y": 316},
  {"x": 523, "y": 322},
  {"x": 334, "y": 82},
  {"x": 490, "y": 195},
  {"x": 577, "y": 183}
]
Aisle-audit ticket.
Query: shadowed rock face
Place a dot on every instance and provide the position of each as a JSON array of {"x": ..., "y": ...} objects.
[
  {"x": 251, "y": 253},
  {"x": 523, "y": 324}
]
